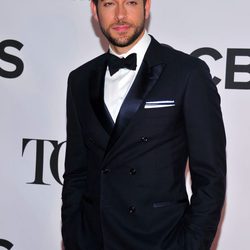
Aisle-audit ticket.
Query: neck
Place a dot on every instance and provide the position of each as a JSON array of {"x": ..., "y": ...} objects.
[{"x": 123, "y": 50}]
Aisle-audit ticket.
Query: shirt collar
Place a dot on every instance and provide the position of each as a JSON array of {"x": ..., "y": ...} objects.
[{"x": 140, "y": 48}]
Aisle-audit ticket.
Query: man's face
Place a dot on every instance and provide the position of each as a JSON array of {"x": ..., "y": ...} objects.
[{"x": 121, "y": 21}]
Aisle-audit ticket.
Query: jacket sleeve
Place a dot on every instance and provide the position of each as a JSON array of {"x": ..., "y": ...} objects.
[
  {"x": 74, "y": 179},
  {"x": 207, "y": 158}
]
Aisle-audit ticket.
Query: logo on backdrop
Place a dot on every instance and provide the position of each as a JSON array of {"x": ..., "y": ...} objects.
[
  {"x": 6, "y": 244},
  {"x": 39, "y": 165},
  {"x": 231, "y": 67},
  {"x": 9, "y": 58}
]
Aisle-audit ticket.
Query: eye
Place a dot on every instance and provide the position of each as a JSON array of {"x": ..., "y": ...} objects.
[
  {"x": 132, "y": 2},
  {"x": 108, "y": 3}
]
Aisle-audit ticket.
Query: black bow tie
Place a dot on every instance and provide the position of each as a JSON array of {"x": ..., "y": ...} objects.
[{"x": 115, "y": 63}]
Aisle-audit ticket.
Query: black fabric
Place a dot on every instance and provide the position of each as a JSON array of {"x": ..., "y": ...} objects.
[
  {"x": 115, "y": 63},
  {"x": 107, "y": 207}
]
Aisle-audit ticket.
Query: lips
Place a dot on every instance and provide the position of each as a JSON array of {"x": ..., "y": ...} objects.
[{"x": 121, "y": 28}]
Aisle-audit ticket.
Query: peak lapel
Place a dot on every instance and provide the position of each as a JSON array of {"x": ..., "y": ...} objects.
[
  {"x": 97, "y": 98},
  {"x": 147, "y": 77}
]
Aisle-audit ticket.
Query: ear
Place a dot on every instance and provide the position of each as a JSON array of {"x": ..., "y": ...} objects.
[
  {"x": 147, "y": 8},
  {"x": 94, "y": 10}
]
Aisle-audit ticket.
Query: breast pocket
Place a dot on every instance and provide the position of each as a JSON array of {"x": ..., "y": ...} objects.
[{"x": 160, "y": 112}]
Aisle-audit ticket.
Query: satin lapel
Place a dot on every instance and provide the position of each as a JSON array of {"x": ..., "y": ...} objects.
[
  {"x": 145, "y": 80},
  {"x": 97, "y": 98}
]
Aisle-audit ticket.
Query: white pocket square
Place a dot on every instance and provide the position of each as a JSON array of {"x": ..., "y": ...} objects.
[{"x": 159, "y": 104}]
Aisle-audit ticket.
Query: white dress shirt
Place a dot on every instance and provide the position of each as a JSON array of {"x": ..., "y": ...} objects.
[{"x": 117, "y": 86}]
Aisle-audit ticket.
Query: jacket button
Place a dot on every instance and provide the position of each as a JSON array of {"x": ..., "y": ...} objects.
[
  {"x": 106, "y": 170},
  {"x": 92, "y": 140},
  {"x": 144, "y": 139},
  {"x": 132, "y": 171},
  {"x": 131, "y": 210}
]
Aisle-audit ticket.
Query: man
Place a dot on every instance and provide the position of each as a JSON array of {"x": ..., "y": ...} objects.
[{"x": 131, "y": 127}]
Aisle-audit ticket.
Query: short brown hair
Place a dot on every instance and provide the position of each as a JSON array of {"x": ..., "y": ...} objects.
[{"x": 96, "y": 2}]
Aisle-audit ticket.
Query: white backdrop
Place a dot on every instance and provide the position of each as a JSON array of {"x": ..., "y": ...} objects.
[{"x": 52, "y": 37}]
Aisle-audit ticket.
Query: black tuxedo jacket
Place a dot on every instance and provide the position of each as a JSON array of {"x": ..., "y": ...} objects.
[{"x": 124, "y": 183}]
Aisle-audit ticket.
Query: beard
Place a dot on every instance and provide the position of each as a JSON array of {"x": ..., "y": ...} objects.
[{"x": 124, "y": 40}]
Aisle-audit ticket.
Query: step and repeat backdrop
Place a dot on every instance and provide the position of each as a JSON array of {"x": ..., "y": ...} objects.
[{"x": 42, "y": 41}]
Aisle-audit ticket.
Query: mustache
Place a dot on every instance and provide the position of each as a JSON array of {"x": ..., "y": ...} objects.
[{"x": 121, "y": 23}]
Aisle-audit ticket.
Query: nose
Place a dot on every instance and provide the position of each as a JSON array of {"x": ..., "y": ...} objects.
[{"x": 121, "y": 12}]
